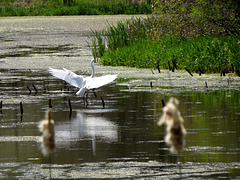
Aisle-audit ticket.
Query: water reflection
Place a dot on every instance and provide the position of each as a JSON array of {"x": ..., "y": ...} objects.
[
  {"x": 96, "y": 127},
  {"x": 88, "y": 125}
]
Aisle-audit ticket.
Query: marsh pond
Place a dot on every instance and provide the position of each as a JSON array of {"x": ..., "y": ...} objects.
[{"x": 122, "y": 139}]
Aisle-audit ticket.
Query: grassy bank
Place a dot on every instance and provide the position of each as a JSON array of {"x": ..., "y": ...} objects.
[
  {"x": 77, "y": 7},
  {"x": 208, "y": 54},
  {"x": 129, "y": 44}
]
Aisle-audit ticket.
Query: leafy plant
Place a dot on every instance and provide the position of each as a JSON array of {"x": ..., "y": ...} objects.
[
  {"x": 207, "y": 54},
  {"x": 119, "y": 36}
]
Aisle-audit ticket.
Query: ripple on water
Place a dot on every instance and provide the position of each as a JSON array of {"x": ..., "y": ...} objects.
[{"x": 122, "y": 169}]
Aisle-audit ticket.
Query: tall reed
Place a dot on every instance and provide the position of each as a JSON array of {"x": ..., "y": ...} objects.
[
  {"x": 123, "y": 34},
  {"x": 207, "y": 54}
]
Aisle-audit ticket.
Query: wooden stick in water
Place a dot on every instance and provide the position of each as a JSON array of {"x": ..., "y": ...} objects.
[
  {"x": 152, "y": 71},
  {"x": 35, "y": 89},
  {"x": 70, "y": 105},
  {"x": 29, "y": 90},
  {"x": 1, "y": 105},
  {"x": 163, "y": 102},
  {"x": 21, "y": 108},
  {"x": 158, "y": 68},
  {"x": 50, "y": 103},
  {"x": 188, "y": 71}
]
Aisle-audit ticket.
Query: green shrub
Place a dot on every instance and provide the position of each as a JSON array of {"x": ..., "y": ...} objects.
[{"x": 78, "y": 8}]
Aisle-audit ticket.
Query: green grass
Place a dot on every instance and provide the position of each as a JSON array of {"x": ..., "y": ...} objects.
[
  {"x": 119, "y": 36},
  {"x": 206, "y": 54},
  {"x": 77, "y": 8}
]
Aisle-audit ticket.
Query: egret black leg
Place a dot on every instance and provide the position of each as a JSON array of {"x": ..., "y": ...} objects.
[
  {"x": 103, "y": 103},
  {"x": 94, "y": 93},
  {"x": 85, "y": 98}
]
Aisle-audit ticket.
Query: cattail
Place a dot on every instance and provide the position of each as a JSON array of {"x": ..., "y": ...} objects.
[
  {"x": 46, "y": 126},
  {"x": 175, "y": 130}
]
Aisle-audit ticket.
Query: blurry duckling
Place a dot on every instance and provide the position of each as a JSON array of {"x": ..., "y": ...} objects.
[
  {"x": 46, "y": 127},
  {"x": 175, "y": 131}
]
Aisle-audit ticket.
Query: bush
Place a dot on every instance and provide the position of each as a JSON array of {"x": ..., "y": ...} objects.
[
  {"x": 77, "y": 8},
  {"x": 192, "y": 18}
]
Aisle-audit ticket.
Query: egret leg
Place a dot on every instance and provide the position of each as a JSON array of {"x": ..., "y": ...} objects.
[
  {"x": 94, "y": 93},
  {"x": 85, "y": 96},
  {"x": 103, "y": 103}
]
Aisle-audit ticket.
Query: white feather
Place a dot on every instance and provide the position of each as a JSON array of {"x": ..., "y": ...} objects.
[{"x": 80, "y": 82}]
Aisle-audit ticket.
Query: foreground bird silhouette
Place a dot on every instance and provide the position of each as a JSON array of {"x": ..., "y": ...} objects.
[
  {"x": 46, "y": 127},
  {"x": 80, "y": 82},
  {"x": 175, "y": 130}
]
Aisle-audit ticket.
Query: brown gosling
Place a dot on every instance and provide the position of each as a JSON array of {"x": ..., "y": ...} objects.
[
  {"x": 175, "y": 131},
  {"x": 46, "y": 127}
]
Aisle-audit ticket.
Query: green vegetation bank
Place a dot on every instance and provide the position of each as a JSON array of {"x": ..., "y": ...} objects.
[
  {"x": 72, "y": 7},
  {"x": 201, "y": 36}
]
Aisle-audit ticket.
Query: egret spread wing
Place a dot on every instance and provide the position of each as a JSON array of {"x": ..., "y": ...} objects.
[
  {"x": 68, "y": 76},
  {"x": 97, "y": 82}
]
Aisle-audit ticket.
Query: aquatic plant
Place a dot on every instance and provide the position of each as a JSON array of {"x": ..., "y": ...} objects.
[
  {"x": 206, "y": 54},
  {"x": 119, "y": 36}
]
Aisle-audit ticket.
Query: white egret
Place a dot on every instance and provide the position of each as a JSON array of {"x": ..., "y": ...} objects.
[{"x": 80, "y": 82}]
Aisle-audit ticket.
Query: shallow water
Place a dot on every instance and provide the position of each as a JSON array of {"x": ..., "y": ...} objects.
[{"x": 121, "y": 140}]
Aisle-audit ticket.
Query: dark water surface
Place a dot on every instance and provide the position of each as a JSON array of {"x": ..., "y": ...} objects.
[{"x": 121, "y": 140}]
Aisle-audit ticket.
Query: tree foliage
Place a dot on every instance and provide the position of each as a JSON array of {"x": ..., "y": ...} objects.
[{"x": 190, "y": 18}]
